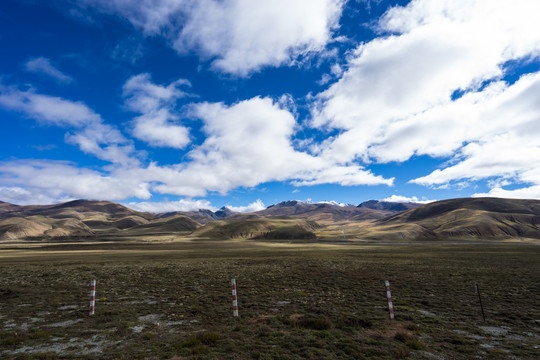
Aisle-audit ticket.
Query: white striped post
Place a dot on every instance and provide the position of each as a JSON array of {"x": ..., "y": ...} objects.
[
  {"x": 234, "y": 299},
  {"x": 389, "y": 297},
  {"x": 92, "y": 296}
]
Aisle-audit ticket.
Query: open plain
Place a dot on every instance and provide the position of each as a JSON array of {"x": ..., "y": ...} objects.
[{"x": 171, "y": 299}]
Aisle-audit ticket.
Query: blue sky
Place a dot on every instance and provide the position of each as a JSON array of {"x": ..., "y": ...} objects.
[{"x": 180, "y": 104}]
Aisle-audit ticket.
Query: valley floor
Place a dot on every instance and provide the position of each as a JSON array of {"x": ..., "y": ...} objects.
[{"x": 316, "y": 301}]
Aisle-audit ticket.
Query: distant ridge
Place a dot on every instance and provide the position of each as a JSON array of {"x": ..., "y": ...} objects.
[
  {"x": 202, "y": 216},
  {"x": 467, "y": 218},
  {"x": 323, "y": 212},
  {"x": 389, "y": 206},
  {"x": 224, "y": 212},
  {"x": 287, "y": 203}
]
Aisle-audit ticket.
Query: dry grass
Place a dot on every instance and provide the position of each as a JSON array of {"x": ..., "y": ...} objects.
[{"x": 173, "y": 300}]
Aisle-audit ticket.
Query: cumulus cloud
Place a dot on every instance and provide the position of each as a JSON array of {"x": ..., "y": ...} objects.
[
  {"x": 144, "y": 96},
  {"x": 257, "y": 205},
  {"x": 245, "y": 35},
  {"x": 44, "y": 180},
  {"x": 345, "y": 175},
  {"x": 43, "y": 65},
  {"x": 431, "y": 84},
  {"x": 158, "y": 125},
  {"x": 91, "y": 134},
  {"x": 171, "y": 206},
  {"x": 332, "y": 202},
  {"x": 406, "y": 199},
  {"x": 246, "y": 144},
  {"x": 241, "y": 36},
  {"x": 397, "y": 97},
  {"x": 24, "y": 196},
  {"x": 529, "y": 192},
  {"x": 502, "y": 134},
  {"x": 191, "y": 205},
  {"x": 249, "y": 143},
  {"x": 48, "y": 109},
  {"x": 438, "y": 47}
]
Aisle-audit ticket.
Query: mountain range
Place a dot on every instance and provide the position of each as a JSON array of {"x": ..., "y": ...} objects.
[{"x": 467, "y": 218}]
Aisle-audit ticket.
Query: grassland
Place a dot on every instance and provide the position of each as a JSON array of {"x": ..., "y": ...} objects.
[{"x": 301, "y": 300}]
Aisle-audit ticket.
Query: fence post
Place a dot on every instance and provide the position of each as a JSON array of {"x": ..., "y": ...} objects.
[
  {"x": 481, "y": 305},
  {"x": 234, "y": 299},
  {"x": 92, "y": 296},
  {"x": 389, "y": 297}
]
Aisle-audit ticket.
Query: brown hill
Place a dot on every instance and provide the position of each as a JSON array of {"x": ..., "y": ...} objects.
[
  {"x": 69, "y": 228},
  {"x": 323, "y": 212},
  {"x": 40, "y": 227},
  {"x": 18, "y": 227},
  {"x": 6, "y": 207},
  {"x": 81, "y": 209},
  {"x": 174, "y": 224},
  {"x": 255, "y": 227},
  {"x": 470, "y": 218},
  {"x": 202, "y": 216},
  {"x": 389, "y": 206},
  {"x": 467, "y": 218},
  {"x": 75, "y": 218},
  {"x": 85, "y": 218},
  {"x": 112, "y": 211}
]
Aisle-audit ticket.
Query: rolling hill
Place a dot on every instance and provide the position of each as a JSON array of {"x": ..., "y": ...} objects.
[
  {"x": 388, "y": 206},
  {"x": 469, "y": 218},
  {"x": 202, "y": 216},
  {"x": 79, "y": 218},
  {"x": 169, "y": 225},
  {"x": 324, "y": 212},
  {"x": 256, "y": 227}
]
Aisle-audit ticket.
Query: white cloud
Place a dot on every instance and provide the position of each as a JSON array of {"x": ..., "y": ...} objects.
[
  {"x": 43, "y": 65},
  {"x": 157, "y": 130},
  {"x": 345, "y": 175},
  {"x": 394, "y": 100},
  {"x": 158, "y": 125},
  {"x": 144, "y": 96},
  {"x": 91, "y": 134},
  {"x": 254, "y": 206},
  {"x": 503, "y": 134},
  {"x": 530, "y": 192},
  {"x": 440, "y": 47},
  {"x": 246, "y": 144},
  {"x": 51, "y": 181},
  {"x": 246, "y": 35},
  {"x": 48, "y": 109},
  {"x": 104, "y": 142},
  {"x": 332, "y": 202},
  {"x": 23, "y": 196},
  {"x": 241, "y": 36},
  {"x": 190, "y": 205},
  {"x": 171, "y": 206},
  {"x": 406, "y": 199}
]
